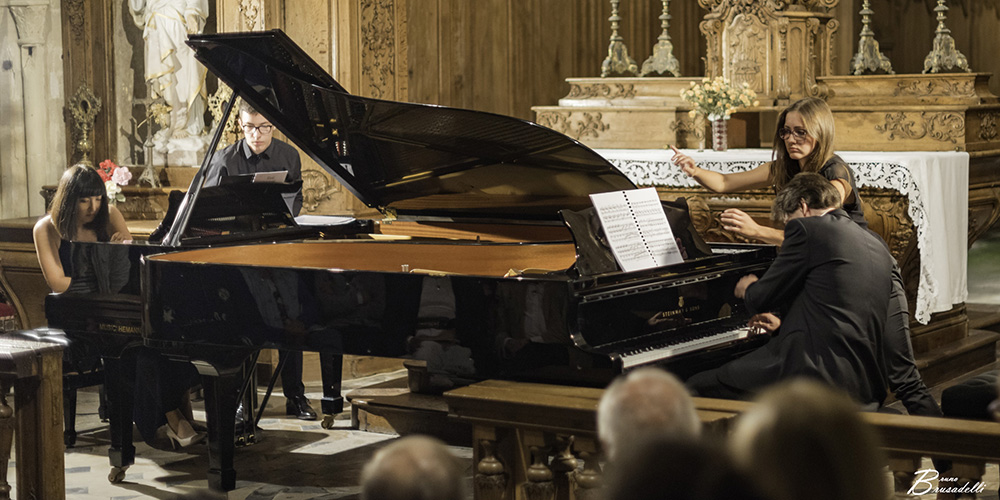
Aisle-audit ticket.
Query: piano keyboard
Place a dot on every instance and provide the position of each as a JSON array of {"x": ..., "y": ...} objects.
[{"x": 685, "y": 344}]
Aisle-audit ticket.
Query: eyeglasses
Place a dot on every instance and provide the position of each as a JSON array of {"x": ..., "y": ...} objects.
[
  {"x": 263, "y": 129},
  {"x": 798, "y": 133}
]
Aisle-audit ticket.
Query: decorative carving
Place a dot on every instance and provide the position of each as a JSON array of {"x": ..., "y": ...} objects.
[
  {"x": 317, "y": 187},
  {"x": 746, "y": 55},
  {"x": 662, "y": 60},
  {"x": 83, "y": 107},
  {"x": 988, "y": 125},
  {"x": 944, "y": 127},
  {"x": 490, "y": 481},
  {"x": 29, "y": 20},
  {"x": 588, "y": 479},
  {"x": 889, "y": 208},
  {"x": 378, "y": 69},
  {"x": 618, "y": 60},
  {"x": 690, "y": 133},
  {"x": 539, "y": 484},
  {"x": 712, "y": 29},
  {"x": 591, "y": 124},
  {"x": 831, "y": 31},
  {"x": 74, "y": 11},
  {"x": 783, "y": 88},
  {"x": 814, "y": 90},
  {"x": 253, "y": 14},
  {"x": 601, "y": 90},
  {"x": 936, "y": 87}
]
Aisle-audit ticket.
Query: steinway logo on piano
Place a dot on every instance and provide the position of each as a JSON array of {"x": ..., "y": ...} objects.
[
  {"x": 111, "y": 327},
  {"x": 672, "y": 314}
]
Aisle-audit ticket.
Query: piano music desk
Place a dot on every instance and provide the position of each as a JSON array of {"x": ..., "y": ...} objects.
[{"x": 34, "y": 369}]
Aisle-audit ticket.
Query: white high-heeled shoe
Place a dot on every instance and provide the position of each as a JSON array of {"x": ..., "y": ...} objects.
[{"x": 179, "y": 442}]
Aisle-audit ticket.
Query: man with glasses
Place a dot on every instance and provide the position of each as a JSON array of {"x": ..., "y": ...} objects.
[{"x": 259, "y": 151}]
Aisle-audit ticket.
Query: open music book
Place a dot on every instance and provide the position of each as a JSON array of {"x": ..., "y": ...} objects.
[{"x": 637, "y": 229}]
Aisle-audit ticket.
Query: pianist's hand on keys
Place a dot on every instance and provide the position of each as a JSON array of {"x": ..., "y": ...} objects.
[{"x": 763, "y": 323}]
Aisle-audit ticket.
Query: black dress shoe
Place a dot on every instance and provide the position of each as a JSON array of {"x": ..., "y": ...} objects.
[{"x": 299, "y": 406}]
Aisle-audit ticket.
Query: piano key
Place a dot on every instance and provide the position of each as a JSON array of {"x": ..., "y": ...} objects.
[{"x": 651, "y": 354}]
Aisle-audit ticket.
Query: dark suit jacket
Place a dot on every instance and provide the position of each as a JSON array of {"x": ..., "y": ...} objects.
[{"x": 831, "y": 283}]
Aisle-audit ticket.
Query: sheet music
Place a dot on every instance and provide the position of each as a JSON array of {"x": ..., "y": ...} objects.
[
  {"x": 637, "y": 229},
  {"x": 278, "y": 176}
]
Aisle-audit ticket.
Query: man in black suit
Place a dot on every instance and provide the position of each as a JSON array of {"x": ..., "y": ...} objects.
[
  {"x": 830, "y": 286},
  {"x": 259, "y": 151}
]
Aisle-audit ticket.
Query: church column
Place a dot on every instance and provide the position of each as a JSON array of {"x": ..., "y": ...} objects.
[{"x": 29, "y": 19}]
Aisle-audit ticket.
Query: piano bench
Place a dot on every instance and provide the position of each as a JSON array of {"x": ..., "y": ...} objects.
[{"x": 81, "y": 368}]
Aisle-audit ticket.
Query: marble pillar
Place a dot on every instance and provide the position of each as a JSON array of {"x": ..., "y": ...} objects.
[{"x": 35, "y": 107}]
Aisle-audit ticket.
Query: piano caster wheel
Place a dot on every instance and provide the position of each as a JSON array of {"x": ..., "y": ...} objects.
[
  {"x": 117, "y": 475},
  {"x": 327, "y": 422}
]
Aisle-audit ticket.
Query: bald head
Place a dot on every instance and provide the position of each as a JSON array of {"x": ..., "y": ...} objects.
[
  {"x": 412, "y": 468},
  {"x": 646, "y": 403}
]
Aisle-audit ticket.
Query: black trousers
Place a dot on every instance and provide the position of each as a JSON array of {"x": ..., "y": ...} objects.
[
  {"x": 972, "y": 398},
  {"x": 897, "y": 356},
  {"x": 291, "y": 374}
]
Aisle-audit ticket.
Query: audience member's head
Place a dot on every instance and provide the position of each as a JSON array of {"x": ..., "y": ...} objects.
[
  {"x": 807, "y": 191},
  {"x": 412, "y": 468},
  {"x": 663, "y": 468},
  {"x": 647, "y": 402},
  {"x": 804, "y": 439}
]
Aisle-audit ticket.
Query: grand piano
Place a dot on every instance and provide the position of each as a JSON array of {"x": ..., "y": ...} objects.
[{"x": 554, "y": 310}]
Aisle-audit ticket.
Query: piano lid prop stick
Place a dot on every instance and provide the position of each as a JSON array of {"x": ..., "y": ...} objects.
[{"x": 173, "y": 237}]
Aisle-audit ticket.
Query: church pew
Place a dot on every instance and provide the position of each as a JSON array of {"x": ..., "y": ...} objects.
[{"x": 530, "y": 440}]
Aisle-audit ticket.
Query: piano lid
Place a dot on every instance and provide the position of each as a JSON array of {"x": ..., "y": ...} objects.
[{"x": 413, "y": 160}]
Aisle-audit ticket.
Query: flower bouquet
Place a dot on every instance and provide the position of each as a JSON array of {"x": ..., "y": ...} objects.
[
  {"x": 114, "y": 177},
  {"x": 718, "y": 99}
]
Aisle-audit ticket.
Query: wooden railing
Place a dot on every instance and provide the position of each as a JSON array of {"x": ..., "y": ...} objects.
[{"x": 539, "y": 442}]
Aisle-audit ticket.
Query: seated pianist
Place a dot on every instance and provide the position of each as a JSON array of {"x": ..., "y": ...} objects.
[
  {"x": 258, "y": 151},
  {"x": 81, "y": 212},
  {"x": 830, "y": 286}
]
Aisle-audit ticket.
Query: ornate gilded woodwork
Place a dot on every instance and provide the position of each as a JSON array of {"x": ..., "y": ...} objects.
[
  {"x": 75, "y": 15},
  {"x": 575, "y": 125},
  {"x": 317, "y": 187},
  {"x": 252, "y": 14},
  {"x": 988, "y": 124},
  {"x": 944, "y": 127},
  {"x": 601, "y": 90},
  {"x": 749, "y": 41}
]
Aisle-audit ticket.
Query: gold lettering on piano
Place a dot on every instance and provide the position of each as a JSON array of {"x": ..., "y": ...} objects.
[
  {"x": 111, "y": 327},
  {"x": 672, "y": 315}
]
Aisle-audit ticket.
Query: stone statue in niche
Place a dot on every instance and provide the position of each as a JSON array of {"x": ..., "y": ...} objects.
[{"x": 175, "y": 76}]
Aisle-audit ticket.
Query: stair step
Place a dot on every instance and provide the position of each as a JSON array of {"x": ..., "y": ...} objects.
[{"x": 959, "y": 357}]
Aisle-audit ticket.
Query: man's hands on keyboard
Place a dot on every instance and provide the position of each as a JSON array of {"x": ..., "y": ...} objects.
[{"x": 763, "y": 323}]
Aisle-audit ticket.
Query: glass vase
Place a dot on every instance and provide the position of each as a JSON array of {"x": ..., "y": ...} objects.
[{"x": 720, "y": 135}]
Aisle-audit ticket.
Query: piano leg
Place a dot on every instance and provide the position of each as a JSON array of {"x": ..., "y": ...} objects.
[
  {"x": 222, "y": 387},
  {"x": 331, "y": 370},
  {"x": 119, "y": 377}
]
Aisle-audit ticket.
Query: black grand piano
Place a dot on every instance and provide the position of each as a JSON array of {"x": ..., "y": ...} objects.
[{"x": 539, "y": 309}]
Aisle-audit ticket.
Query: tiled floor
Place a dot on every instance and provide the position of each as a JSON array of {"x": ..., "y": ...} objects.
[{"x": 292, "y": 460}]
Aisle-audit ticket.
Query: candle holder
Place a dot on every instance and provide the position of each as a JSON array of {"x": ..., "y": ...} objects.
[
  {"x": 944, "y": 55},
  {"x": 869, "y": 58},
  {"x": 662, "y": 60},
  {"x": 618, "y": 60}
]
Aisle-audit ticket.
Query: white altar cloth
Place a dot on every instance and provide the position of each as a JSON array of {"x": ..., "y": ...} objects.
[{"x": 936, "y": 185}]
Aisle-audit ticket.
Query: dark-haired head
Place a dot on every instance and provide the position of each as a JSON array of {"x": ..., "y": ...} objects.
[
  {"x": 79, "y": 182},
  {"x": 818, "y": 120},
  {"x": 810, "y": 188}
]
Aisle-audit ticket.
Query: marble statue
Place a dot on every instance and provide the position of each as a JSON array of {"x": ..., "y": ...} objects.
[{"x": 173, "y": 74}]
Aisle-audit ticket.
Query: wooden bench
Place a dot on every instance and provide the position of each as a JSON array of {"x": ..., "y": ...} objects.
[
  {"x": 34, "y": 370},
  {"x": 529, "y": 438}
]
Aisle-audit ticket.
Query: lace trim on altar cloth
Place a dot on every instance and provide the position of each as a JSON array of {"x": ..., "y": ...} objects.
[{"x": 885, "y": 175}]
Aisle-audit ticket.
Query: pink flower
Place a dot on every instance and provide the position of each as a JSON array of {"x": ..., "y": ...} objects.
[
  {"x": 121, "y": 176},
  {"x": 107, "y": 168}
]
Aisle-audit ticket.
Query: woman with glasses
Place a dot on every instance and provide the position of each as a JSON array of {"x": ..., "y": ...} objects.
[{"x": 803, "y": 142}]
